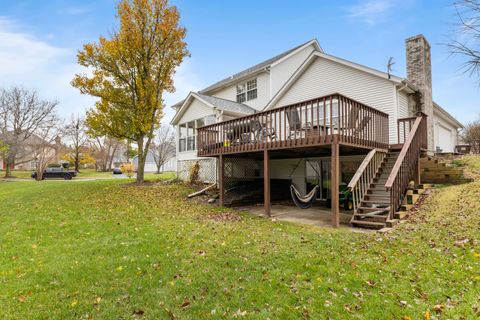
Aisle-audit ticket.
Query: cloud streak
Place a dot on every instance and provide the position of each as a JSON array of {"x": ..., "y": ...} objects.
[{"x": 371, "y": 12}]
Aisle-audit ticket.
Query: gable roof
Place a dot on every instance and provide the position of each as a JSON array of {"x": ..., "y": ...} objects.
[
  {"x": 316, "y": 54},
  {"x": 261, "y": 66},
  {"x": 229, "y": 106},
  {"x": 447, "y": 115},
  {"x": 255, "y": 69}
]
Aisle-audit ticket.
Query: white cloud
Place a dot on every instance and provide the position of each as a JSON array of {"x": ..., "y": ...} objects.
[
  {"x": 185, "y": 80},
  {"x": 37, "y": 65},
  {"x": 371, "y": 12},
  {"x": 73, "y": 11}
]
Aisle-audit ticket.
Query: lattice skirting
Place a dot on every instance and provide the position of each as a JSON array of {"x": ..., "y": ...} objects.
[{"x": 208, "y": 169}]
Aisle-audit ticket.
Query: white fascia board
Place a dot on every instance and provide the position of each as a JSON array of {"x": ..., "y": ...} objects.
[
  {"x": 232, "y": 81},
  {"x": 446, "y": 116},
  {"x": 314, "y": 42},
  {"x": 181, "y": 110},
  {"x": 317, "y": 54},
  {"x": 360, "y": 67}
]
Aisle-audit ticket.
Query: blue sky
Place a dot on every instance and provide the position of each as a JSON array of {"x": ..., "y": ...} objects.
[{"x": 39, "y": 40}]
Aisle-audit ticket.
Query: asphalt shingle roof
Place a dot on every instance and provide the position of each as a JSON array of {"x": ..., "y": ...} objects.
[
  {"x": 253, "y": 69},
  {"x": 246, "y": 72},
  {"x": 227, "y": 105}
]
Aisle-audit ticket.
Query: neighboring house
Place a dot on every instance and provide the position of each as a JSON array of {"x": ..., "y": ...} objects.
[
  {"x": 151, "y": 166},
  {"x": 26, "y": 155},
  {"x": 306, "y": 105}
]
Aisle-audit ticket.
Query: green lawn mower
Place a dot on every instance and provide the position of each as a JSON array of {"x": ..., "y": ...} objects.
[{"x": 345, "y": 198}]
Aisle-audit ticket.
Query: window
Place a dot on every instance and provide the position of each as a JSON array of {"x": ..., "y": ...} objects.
[
  {"x": 252, "y": 89},
  {"x": 241, "y": 95},
  {"x": 182, "y": 134},
  {"x": 187, "y": 133},
  {"x": 247, "y": 91}
]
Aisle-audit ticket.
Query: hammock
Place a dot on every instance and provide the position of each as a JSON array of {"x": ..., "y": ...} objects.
[{"x": 306, "y": 201}]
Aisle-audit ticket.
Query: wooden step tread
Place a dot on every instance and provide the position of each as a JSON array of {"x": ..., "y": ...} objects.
[
  {"x": 378, "y": 195},
  {"x": 375, "y": 209},
  {"x": 376, "y": 201},
  {"x": 366, "y": 215}
]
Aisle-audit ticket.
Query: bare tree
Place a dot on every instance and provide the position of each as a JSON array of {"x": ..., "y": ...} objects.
[
  {"x": 22, "y": 113},
  {"x": 76, "y": 134},
  {"x": 104, "y": 150},
  {"x": 44, "y": 144},
  {"x": 163, "y": 146},
  {"x": 471, "y": 135},
  {"x": 467, "y": 41}
]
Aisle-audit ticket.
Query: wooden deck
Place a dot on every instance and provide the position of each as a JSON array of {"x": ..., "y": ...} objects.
[
  {"x": 310, "y": 123},
  {"x": 329, "y": 121}
]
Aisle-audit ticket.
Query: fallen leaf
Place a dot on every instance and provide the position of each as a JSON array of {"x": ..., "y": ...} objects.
[
  {"x": 138, "y": 312},
  {"x": 438, "y": 308},
  {"x": 427, "y": 315}
]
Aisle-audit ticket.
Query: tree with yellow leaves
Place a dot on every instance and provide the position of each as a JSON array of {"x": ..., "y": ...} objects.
[{"x": 131, "y": 71}]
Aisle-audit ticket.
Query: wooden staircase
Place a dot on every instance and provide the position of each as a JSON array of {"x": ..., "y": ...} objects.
[
  {"x": 373, "y": 211},
  {"x": 382, "y": 185}
]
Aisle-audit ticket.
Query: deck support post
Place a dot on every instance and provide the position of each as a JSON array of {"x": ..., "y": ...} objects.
[
  {"x": 221, "y": 179},
  {"x": 416, "y": 173},
  {"x": 335, "y": 175},
  {"x": 266, "y": 182}
]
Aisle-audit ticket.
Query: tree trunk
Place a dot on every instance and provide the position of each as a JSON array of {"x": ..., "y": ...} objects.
[
  {"x": 8, "y": 169},
  {"x": 141, "y": 161},
  {"x": 77, "y": 162}
]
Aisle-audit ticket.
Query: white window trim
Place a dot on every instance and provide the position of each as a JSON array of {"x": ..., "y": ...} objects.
[
  {"x": 246, "y": 90},
  {"x": 194, "y": 135}
]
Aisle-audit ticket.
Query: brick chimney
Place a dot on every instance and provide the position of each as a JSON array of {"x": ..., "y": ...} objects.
[{"x": 419, "y": 73}]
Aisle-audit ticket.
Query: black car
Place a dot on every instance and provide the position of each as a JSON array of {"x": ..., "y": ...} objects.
[{"x": 57, "y": 172}]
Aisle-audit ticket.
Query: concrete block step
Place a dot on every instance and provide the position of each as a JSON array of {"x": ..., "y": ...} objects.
[
  {"x": 391, "y": 223},
  {"x": 400, "y": 215},
  {"x": 405, "y": 207},
  {"x": 368, "y": 224}
]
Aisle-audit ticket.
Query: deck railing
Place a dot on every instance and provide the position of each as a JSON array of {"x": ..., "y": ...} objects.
[
  {"x": 307, "y": 123},
  {"x": 406, "y": 163},
  {"x": 364, "y": 176}
]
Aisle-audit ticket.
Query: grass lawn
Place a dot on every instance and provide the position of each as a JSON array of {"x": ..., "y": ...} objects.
[
  {"x": 107, "y": 249},
  {"x": 90, "y": 173}
]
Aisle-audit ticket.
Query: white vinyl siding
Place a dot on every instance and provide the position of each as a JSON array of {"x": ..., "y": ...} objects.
[
  {"x": 323, "y": 77},
  {"x": 281, "y": 72},
  {"x": 263, "y": 91},
  {"x": 444, "y": 134},
  {"x": 403, "y": 110},
  {"x": 195, "y": 110}
]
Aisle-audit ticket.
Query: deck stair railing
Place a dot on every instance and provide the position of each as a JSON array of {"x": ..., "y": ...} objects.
[
  {"x": 366, "y": 173},
  {"x": 407, "y": 162}
]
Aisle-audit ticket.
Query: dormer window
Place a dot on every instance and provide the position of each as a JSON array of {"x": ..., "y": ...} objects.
[{"x": 247, "y": 91}]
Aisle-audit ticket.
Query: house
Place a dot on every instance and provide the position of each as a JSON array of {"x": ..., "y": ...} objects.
[
  {"x": 151, "y": 166},
  {"x": 315, "y": 121},
  {"x": 25, "y": 157}
]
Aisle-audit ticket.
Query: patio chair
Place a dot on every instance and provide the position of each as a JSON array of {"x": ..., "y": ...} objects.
[{"x": 297, "y": 129}]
